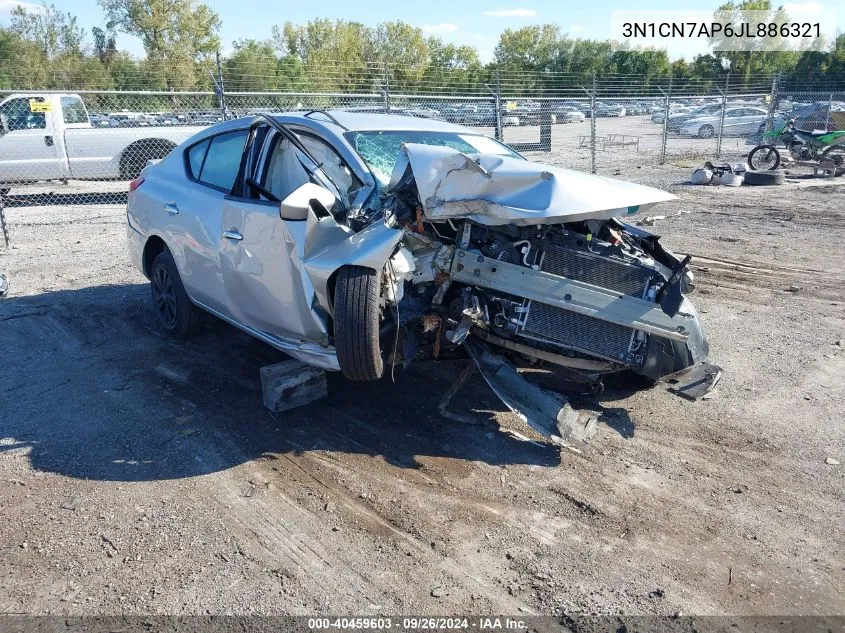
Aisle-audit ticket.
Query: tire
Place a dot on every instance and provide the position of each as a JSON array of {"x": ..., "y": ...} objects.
[
  {"x": 836, "y": 154},
  {"x": 135, "y": 157},
  {"x": 356, "y": 323},
  {"x": 706, "y": 131},
  {"x": 174, "y": 311},
  {"x": 763, "y": 158},
  {"x": 764, "y": 178}
]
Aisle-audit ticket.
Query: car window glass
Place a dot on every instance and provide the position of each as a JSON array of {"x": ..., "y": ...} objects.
[
  {"x": 196, "y": 154},
  {"x": 73, "y": 110},
  {"x": 19, "y": 114},
  {"x": 333, "y": 165},
  {"x": 223, "y": 159},
  {"x": 285, "y": 174},
  {"x": 380, "y": 149}
]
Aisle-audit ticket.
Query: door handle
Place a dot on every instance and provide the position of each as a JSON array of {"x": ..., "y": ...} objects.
[
  {"x": 48, "y": 141},
  {"x": 233, "y": 234},
  {"x": 171, "y": 208}
]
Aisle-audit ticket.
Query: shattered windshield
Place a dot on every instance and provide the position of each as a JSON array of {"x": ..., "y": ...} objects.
[{"x": 380, "y": 149}]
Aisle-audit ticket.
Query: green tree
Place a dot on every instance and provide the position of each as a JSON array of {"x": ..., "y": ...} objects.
[
  {"x": 528, "y": 48},
  {"x": 253, "y": 67},
  {"x": 179, "y": 36},
  {"x": 56, "y": 33},
  {"x": 336, "y": 56},
  {"x": 105, "y": 45},
  {"x": 766, "y": 60}
]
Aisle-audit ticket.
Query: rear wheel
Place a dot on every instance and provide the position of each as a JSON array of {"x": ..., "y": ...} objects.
[
  {"x": 356, "y": 323},
  {"x": 836, "y": 154},
  {"x": 706, "y": 131},
  {"x": 135, "y": 157},
  {"x": 764, "y": 157},
  {"x": 175, "y": 312}
]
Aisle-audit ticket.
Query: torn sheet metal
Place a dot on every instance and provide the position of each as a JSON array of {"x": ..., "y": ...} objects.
[
  {"x": 545, "y": 411},
  {"x": 695, "y": 381},
  {"x": 494, "y": 190}
]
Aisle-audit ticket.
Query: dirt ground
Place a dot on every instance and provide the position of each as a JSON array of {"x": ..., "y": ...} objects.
[{"x": 143, "y": 475}]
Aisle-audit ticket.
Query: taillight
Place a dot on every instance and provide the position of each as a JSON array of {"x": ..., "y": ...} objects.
[{"x": 135, "y": 184}]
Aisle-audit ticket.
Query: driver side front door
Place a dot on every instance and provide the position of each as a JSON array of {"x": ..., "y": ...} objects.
[{"x": 260, "y": 254}]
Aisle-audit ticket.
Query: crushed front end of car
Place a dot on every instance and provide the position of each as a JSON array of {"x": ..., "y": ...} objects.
[{"x": 513, "y": 262}]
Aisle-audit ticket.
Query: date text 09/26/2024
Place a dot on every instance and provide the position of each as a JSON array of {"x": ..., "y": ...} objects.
[{"x": 377, "y": 623}]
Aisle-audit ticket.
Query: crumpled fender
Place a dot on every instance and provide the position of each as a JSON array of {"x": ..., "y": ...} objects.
[{"x": 329, "y": 247}]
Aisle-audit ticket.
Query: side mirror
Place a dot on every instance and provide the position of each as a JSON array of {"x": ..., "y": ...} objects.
[
  {"x": 4, "y": 125},
  {"x": 296, "y": 205}
]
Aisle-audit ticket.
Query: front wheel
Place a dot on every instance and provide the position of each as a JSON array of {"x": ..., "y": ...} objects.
[
  {"x": 764, "y": 157},
  {"x": 356, "y": 323},
  {"x": 706, "y": 131}
]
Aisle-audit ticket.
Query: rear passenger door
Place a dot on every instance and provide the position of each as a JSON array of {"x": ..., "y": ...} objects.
[{"x": 195, "y": 215}]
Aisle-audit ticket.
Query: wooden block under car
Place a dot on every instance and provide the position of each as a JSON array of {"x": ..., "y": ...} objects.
[{"x": 291, "y": 384}]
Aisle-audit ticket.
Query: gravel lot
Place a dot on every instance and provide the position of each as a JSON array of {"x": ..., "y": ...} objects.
[{"x": 142, "y": 475}]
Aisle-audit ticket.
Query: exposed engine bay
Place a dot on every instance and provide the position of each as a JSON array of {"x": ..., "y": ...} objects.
[{"x": 591, "y": 297}]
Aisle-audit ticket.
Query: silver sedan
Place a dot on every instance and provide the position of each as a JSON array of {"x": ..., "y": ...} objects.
[{"x": 356, "y": 240}]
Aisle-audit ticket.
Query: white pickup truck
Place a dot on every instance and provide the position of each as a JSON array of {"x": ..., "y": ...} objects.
[{"x": 48, "y": 136}]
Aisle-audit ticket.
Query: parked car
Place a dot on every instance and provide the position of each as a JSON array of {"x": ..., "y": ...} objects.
[
  {"x": 102, "y": 120},
  {"x": 51, "y": 137},
  {"x": 737, "y": 122},
  {"x": 529, "y": 112},
  {"x": 421, "y": 111},
  {"x": 567, "y": 114},
  {"x": 586, "y": 108},
  {"x": 634, "y": 108},
  {"x": 614, "y": 109},
  {"x": 354, "y": 240},
  {"x": 677, "y": 119},
  {"x": 659, "y": 113}
]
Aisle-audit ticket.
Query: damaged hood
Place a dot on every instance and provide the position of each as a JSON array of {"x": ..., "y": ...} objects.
[{"x": 492, "y": 189}]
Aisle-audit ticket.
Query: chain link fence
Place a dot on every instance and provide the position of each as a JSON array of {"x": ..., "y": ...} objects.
[{"x": 60, "y": 147}]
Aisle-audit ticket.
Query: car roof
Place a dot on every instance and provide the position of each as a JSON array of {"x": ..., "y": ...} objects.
[
  {"x": 348, "y": 122},
  {"x": 367, "y": 121}
]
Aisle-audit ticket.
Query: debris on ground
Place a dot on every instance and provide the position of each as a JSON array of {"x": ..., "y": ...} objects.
[
  {"x": 830, "y": 461},
  {"x": 291, "y": 384}
]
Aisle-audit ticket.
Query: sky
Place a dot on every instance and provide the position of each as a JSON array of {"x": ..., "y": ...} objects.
[{"x": 474, "y": 22}]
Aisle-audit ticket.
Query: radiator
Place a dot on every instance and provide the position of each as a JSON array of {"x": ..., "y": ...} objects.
[{"x": 579, "y": 332}]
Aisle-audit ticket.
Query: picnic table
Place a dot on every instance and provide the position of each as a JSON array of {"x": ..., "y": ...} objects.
[{"x": 611, "y": 140}]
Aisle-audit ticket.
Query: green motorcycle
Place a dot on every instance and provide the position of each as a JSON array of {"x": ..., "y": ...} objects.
[{"x": 803, "y": 145}]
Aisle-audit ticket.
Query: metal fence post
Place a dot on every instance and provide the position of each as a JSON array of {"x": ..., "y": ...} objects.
[
  {"x": 3, "y": 222},
  {"x": 499, "y": 135},
  {"x": 386, "y": 86},
  {"x": 827, "y": 118},
  {"x": 770, "y": 115},
  {"x": 722, "y": 115},
  {"x": 665, "y": 135},
  {"x": 220, "y": 91}
]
